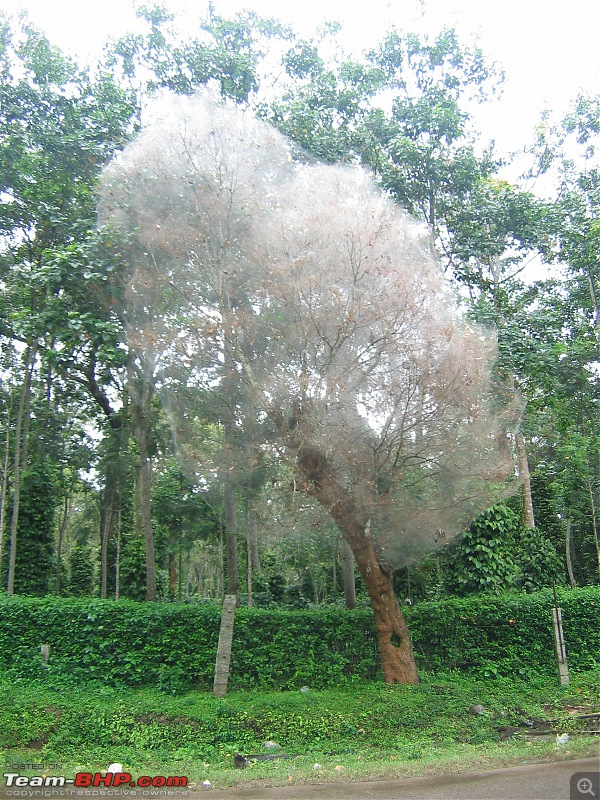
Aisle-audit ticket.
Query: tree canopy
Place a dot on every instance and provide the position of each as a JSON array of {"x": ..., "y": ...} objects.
[{"x": 316, "y": 298}]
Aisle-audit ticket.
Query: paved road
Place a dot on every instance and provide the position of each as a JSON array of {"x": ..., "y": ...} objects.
[
  {"x": 532, "y": 782},
  {"x": 549, "y": 781}
]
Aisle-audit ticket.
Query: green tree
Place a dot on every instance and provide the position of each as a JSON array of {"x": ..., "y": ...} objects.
[
  {"x": 81, "y": 571},
  {"x": 57, "y": 127},
  {"x": 228, "y": 52},
  {"x": 183, "y": 515},
  {"x": 566, "y": 151},
  {"x": 35, "y": 557}
]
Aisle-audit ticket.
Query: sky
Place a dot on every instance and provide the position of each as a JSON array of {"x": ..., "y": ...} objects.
[{"x": 549, "y": 49}]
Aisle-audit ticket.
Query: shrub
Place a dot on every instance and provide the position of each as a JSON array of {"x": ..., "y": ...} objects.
[
  {"x": 173, "y": 646},
  {"x": 509, "y": 634}
]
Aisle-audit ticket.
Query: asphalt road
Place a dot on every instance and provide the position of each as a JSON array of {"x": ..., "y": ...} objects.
[
  {"x": 565, "y": 780},
  {"x": 531, "y": 782}
]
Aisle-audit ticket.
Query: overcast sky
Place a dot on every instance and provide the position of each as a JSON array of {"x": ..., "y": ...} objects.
[{"x": 549, "y": 49}]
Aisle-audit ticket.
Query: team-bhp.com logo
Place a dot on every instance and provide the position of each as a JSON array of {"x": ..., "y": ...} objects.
[{"x": 88, "y": 780}]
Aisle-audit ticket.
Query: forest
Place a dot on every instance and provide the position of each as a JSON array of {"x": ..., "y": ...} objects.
[{"x": 367, "y": 367}]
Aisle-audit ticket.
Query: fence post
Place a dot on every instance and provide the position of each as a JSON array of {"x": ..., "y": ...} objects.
[
  {"x": 224, "y": 648},
  {"x": 559, "y": 643}
]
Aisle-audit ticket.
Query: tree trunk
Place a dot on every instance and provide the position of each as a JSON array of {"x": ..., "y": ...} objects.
[
  {"x": 527, "y": 517},
  {"x": 252, "y": 544},
  {"x": 336, "y": 550},
  {"x": 572, "y": 580},
  {"x": 140, "y": 417},
  {"x": 397, "y": 658},
  {"x": 395, "y": 646},
  {"x": 594, "y": 298},
  {"x": 61, "y": 536},
  {"x": 253, "y": 538},
  {"x": 233, "y": 580},
  {"x": 4, "y": 492},
  {"x": 224, "y": 647},
  {"x": 249, "y": 572},
  {"x": 105, "y": 537},
  {"x": 348, "y": 575},
  {"x": 179, "y": 571},
  {"x": 594, "y": 524},
  {"x": 172, "y": 575},
  {"x": 20, "y": 460},
  {"x": 118, "y": 558}
]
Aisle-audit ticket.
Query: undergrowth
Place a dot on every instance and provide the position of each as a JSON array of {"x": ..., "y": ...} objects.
[{"x": 448, "y": 718}]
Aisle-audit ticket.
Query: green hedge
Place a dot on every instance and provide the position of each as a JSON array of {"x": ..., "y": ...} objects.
[
  {"x": 173, "y": 646},
  {"x": 508, "y": 634}
]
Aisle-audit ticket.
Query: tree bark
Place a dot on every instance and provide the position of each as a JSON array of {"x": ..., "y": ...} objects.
[
  {"x": 527, "y": 517},
  {"x": 172, "y": 575},
  {"x": 253, "y": 536},
  {"x": 179, "y": 570},
  {"x": 4, "y": 492},
  {"x": 61, "y": 535},
  {"x": 20, "y": 460},
  {"x": 397, "y": 658},
  {"x": 594, "y": 524},
  {"x": 224, "y": 647},
  {"x": 233, "y": 580},
  {"x": 140, "y": 417},
  {"x": 249, "y": 572},
  {"x": 395, "y": 646},
  {"x": 348, "y": 575},
  {"x": 118, "y": 558},
  {"x": 106, "y": 530},
  {"x": 253, "y": 556},
  {"x": 572, "y": 580}
]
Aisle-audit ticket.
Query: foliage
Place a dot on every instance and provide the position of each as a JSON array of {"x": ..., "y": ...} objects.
[
  {"x": 173, "y": 646},
  {"x": 403, "y": 110},
  {"x": 538, "y": 561},
  {"x": 81, "y": 571},
  {"x": 370, "y": 729},
  {"x": 480, "y": 559},
  {"x": 510, "y": 634},
  {"x": 132, "y": 568},
  {"x": 35, "y": 531},
  {"x": 497, "y": 554}
]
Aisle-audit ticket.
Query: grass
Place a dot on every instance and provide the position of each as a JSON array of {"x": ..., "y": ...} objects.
[{"x": 368, "y": 730}]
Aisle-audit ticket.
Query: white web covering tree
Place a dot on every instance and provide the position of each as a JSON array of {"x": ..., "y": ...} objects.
[{"x": 307, "y": 306}]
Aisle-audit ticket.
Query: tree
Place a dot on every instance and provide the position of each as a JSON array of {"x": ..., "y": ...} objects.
[
  {"x": 336, "y": 325},
  {"x": 228, "y": 52},
  {"x": 58, "y": 125},
  {"x": 34, "y": 559},
  {"x": 567, "y": 151},
  {"x": 81, "y": 571},
  {"x": 183, "y": 515}
]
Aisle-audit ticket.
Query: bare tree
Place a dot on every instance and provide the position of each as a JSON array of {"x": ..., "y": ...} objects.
[{"x": 318, "y": 299}]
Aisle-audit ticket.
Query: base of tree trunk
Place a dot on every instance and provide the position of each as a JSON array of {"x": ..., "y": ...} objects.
[
  {"x": 395, "y": 646},
  {"x": 397, "y": 658}
]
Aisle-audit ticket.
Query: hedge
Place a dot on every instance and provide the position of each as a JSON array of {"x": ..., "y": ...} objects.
[
  {"x": 173, "y": 646},
  {"x": 508, "y": 634}
]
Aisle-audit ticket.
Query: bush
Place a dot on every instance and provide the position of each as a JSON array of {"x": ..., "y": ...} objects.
[
  {"x": 173, "y": 646},
  {"x": 509, "y": 634}
]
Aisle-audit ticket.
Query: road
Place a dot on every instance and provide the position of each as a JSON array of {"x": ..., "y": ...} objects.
[
  {"x": 547, "y": 781},
  {"x": 531, "y": 782}
]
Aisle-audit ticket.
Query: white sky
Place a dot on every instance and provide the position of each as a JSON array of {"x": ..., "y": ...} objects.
[{"x": 549, "y": 49}]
